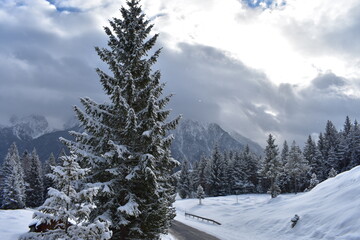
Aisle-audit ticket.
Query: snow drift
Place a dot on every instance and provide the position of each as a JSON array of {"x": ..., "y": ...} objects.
[{"x": 330, "y": 211}]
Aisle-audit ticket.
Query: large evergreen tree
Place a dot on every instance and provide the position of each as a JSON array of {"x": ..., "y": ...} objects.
[
  {"x": 126, "y": 141},
  {"x": 13, "y": 187}
]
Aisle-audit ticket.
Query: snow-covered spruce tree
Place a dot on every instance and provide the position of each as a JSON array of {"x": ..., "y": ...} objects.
[
  {"x": 126, "y": 141},
  {"x": 216, "y": 178},
  {"x": 68, "y": 206},
  {"x": 252, "y": 163},
  {"x": 313, "y": 182},
  {"x": 355, "y": 146},
  {"x": 345, "y": 145},
  {"x": 48, "y": 182},
  {"x": 1, "y": 184},
  {"x": 200, "y": 194},
  {"x": 331, "y": 146},
  {"x": 26, "y": 162},
  {"x": 296, "y": 166},
  {"x": 332, "y": 173},
  {"x": 271, "y": 166},
  {"x": 198, "y": 174},
  {"x": 184, "y": 184},
  {"x": 13, "y": 186},
  {"x": 34, "y": 182},
  {"x": 284, "y": 179}
]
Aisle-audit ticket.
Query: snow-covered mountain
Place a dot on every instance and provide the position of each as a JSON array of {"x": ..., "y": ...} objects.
[
  {"x": 27, "y": 132},
  {"x": 194, "y": 139},
  {"x": 329, "y": 211},
  {"x": 31, "y": 126}
]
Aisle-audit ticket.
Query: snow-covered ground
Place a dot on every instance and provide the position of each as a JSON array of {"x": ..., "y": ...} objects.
[
  {"x": 13, "y": 223},
  {"x": 330, "y": 211}
]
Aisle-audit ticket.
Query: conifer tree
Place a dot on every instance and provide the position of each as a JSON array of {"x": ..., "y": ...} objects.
[
  {"x": 296, "y": 165},
  {"x": 284, "y": 177},
  {"x": 68, "y": 206},
  {"x": 271, "y": 166},
  {"x": 184, "y": 184},
  {"x": 200, "y": 193},
  {"x": 13, "y": 187},
  {"x": 126, "y": 141},
  {"x": 216, "y": 174},
  {"x": 355, "y": 146},
  {"x": 25, "y": 163},
  {"x": 198, "y": 175},
  {"x": 313, "y": 181},
  {"x": 1, "y": 184},
  {"x": 332, "y": 173},
  {"x": 48, "y": 182},
  {"x": 238, "y": 174},
  {"x": 331, "y": 146},
  {"x": 34, "y": 180},
  {"x": 309, "y": 153}
]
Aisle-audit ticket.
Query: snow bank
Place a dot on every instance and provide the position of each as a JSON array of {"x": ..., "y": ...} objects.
[
  {"x": 330, "y": 211},
  {"x": 13, "y": 223}
]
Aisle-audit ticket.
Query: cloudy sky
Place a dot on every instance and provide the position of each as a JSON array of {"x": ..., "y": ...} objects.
[{"x": 255, "y": 66}]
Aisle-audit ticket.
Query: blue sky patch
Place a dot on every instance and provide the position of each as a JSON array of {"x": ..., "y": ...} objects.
[
  {"x": 63, "y": 9},
  {"x": 263, "y": 3}
]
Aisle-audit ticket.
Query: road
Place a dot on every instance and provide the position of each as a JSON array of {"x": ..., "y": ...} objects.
[{"x": 183, "y": 232}]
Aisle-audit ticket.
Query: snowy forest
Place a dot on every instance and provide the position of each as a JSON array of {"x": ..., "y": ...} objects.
[{"x": 290, "y": 170}]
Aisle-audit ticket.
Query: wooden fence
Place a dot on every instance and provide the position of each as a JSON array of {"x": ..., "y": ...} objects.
[{"x": 202, "y": 218}]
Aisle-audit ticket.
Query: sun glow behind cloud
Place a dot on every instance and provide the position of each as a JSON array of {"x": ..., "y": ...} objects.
[{"x": 262, "y": 38}]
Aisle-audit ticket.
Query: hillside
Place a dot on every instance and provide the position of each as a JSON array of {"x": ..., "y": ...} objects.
[
  {"x": 194, "y": 139},
  {"x": 329, "y": 211}
]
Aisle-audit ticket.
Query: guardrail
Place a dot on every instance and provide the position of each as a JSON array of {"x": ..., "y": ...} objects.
[{"x": 202, "y": 218}]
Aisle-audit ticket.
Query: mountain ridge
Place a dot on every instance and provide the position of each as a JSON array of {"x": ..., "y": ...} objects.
[{"x": 192, "y": 140}]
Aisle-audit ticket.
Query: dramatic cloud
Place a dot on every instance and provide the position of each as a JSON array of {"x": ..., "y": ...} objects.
[
  {"x": 210, "y": 86},
  {"x": 258, "y": 67}
]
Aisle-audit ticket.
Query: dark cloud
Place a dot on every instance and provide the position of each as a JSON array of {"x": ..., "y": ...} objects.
[
  {"x": 324, "y": 81},
  {"x": 210, "y": 86}
]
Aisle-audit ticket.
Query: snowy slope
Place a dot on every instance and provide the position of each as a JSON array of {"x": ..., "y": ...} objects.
[
  {"x": 329, "y": 211},
  {"x": 14, "y": 223}
]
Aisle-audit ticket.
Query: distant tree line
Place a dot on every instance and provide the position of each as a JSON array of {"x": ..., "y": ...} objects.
[
  {"x": 24, "y": 180},
  {"x": 290, "y": 170}
]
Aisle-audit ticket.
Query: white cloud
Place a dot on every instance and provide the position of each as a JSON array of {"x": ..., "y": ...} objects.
[{"x": 290, "y": 44}]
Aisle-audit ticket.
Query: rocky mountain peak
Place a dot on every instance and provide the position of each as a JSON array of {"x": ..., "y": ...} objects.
[{"x": 31, "y": 126}]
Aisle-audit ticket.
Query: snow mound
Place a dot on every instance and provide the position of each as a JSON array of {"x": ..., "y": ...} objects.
[
  {"x": 14, "y": 223},
  {"x": 330, "y": 211}
]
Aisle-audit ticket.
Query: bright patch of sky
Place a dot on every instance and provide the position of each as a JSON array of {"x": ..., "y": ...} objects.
[{"x": 288, "y": 40}]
